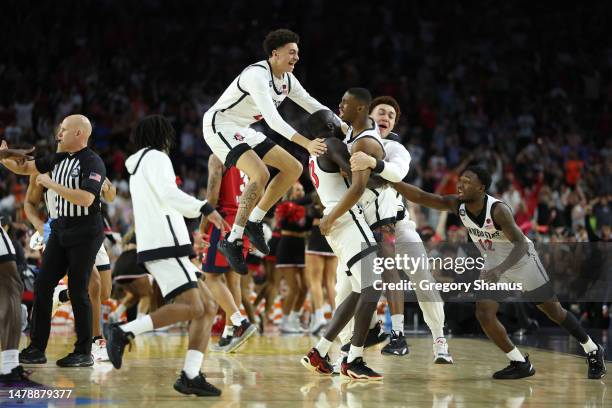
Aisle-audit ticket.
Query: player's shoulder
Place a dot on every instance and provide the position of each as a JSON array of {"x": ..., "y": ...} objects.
[{"x": 256, "y": 69}]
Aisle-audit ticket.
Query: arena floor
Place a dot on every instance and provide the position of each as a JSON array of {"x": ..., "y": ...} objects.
[{"x": 266, "y": 373}]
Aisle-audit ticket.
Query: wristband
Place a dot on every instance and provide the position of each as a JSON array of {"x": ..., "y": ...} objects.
[
  {"x": 207, "y": 209},
  {"x": 380, "y": 166}
]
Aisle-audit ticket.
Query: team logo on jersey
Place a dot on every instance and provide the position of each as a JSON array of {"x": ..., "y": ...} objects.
[
  {"x": 239, "y": 137},
  {"x": 75, "y": 172},
  {"x": 488, "y": 221},
  {"x": 285, "y": 90}
]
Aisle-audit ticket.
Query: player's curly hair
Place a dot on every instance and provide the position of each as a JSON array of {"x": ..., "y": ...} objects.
[
  {"x": 277, "y": 38},
  {"x": 387, "y": 100},
  {"x": 154, "y": 131},
  {"x": 483, "y": 175}
]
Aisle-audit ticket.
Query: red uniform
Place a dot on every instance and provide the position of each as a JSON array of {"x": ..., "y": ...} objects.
[{"x": 232, "y": 185}]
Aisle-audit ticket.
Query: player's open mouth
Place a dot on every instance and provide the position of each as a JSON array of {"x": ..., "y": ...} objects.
[{"x": 382, "y": 126}]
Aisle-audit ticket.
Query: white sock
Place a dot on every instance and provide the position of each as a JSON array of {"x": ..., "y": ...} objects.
[
  {"x": 397, "y": 323},
  {"x": 319, "y": 315},
  {"x": 120, "y": 309},
  {"x": 354, "y": 352},
  {"x": 237, "y": 319},
  {"x": 228, "y": 330},
  {"x": 10, "y": 360},
  {"x": 437, "y": 333},
  {"x": 323, "y": 346},
  {"x": 193, "y": 363},
  {"x": 294, "y": 316},
  {"x": 589, "y": 346},
  {"x": 236, "y": 233},
  {"x": 373, "y": 320},
  {"x": 257, "y": 214},
  {"x": 515, "y": 355},
  {"x": 141, "y": 325}
]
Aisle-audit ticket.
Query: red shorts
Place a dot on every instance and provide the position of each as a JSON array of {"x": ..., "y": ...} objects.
[{"x": 213, "y": 260}]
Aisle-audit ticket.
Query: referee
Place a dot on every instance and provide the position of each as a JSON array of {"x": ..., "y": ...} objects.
[{"x": 76, "y": 175}]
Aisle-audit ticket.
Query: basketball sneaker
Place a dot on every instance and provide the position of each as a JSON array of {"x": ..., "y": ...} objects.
[
  {"x": 98, "y": 350},
  {"x": 224, "y": 341},
  {"x": 316, "y": 325},
  {"x": 358, "y": 370},
  {"x": 116, "y": 341},
  {"x": 254, "y": 231},
  {"x": 440, "y": 351},
  {"x": 315, "y": 363},
  {"x": 76, "y": 360},
  {"x": 597, "y": 365},
  {"x": 197, "y": 386},
  {"x": 32, "y": 355},
  {"x": 516, "y": 370},
  {"x": 17, "y": 374},
  {"x": 232, "y": 251},
  {"x": 397, "y": 345},
  {"x": 241, "y": 334},
  {"x": 375, "y": 336}
]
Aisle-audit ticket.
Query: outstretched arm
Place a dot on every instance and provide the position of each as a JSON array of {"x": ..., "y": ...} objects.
[{"x": 418, "y": 196}]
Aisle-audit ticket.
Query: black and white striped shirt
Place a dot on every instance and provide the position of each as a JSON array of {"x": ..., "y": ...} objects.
[{"x": 82, "y": 170}]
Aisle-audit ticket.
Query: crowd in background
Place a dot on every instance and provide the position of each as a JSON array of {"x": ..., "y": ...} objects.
[{"x": 525, "y": 91}]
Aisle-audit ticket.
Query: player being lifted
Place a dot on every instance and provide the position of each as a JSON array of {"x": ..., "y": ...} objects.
[
  {"x": 254, "y": 95},
  {"x": 510, "y": 257}
]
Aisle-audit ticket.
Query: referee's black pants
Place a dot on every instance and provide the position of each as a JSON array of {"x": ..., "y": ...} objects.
[{"x": 72, "y": 248}]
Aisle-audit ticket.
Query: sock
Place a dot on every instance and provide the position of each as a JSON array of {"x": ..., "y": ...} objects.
[
  {"x": 397, "y": 323},
  {"x": 120, "y": 310},
  {"x": 96, "y": 338},
  {"x": 323, "y": 346},
  {"x": 515, "y": 355},
  {"x": 589, "y": 346},
  {"x": 257, "y": 214},
  {"x": 373, "y": 320},
  {"x": 63, "y": 296},
  {"x": 236, "y": 233},
  {"x": 10, "y": 360},
  {"x": 354, "y": 352},
  {"x": 141, "y": 325},
  {"x": 437, "y": 333},
  {"x": 228, "y": 330},
  {"x": 572, "y": 325},
  {"x": 193, "y": 363},
  {"x": 294, "y": 316},
  {"x": 237, "y": 319},
  {"x": 319, "y": 315}
]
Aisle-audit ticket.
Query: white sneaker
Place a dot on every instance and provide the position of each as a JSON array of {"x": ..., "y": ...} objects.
[
  {"x": 98, "y": 350},
  {"x": 289, "y": 326},
  {"x": 56, "y": 301},
  {"x": 338, "y": 362},
  {"x": 316, "y": 325},
  {"x": 440, "y": 351}
]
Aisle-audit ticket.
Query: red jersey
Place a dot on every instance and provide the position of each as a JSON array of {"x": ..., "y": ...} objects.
[{"x": 232, "y": 185}]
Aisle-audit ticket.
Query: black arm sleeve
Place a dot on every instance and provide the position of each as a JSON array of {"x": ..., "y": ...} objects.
[
  {"x": 46, "y": 163},
  {"x": 93, "y": 173}
]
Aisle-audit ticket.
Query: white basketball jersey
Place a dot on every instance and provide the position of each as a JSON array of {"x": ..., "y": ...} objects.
[
  {"x": 330, "y": 187},
  {"x": 51, "y": 203},
  {"x": 494, "y": 246},
  {"x": 371, "y": 131}
]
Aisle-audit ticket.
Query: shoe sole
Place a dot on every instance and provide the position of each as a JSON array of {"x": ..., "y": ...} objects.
[
  {"x": 75, "y": 365},
  {"x": 32, "y": 361},
  {"x": 362, "y": 379},
  {"x": 443, "y": 360},
  {"x": 305, "y": 361},
  {"x": 249, "y": 332},
  {"x": 387, "y": 353},
  {"x": 531, "y": 374},
  {"x": 199, "y": 393},
  {"x": 237, "y": 270},
  {"x": 262, "y": 250}
]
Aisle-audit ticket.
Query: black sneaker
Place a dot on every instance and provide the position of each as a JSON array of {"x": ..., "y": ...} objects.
[
  {"x": 241, "y": 334},
  {"x": 232, "y": 251},
  {"x": 32, "y": 355},
  {"x": 198, "y": 386},
  {"x": 358, "y": 370},
  {"x": 17, "y": 374},
  {"x": 597, "y": 365},
  {"x": 254, "y": 230},
  {"x": 376, "y": 335},
  {"x": 346, "y": 347},
  {"x": 397, "y": 345},
  {"x": 76, "y": 360},
  {"x": 516, "y": 370},
  {"x": 116, "y": 342},
  {"x": 225, "y": 340}
]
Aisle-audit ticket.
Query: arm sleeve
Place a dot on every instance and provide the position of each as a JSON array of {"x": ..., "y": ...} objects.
[
  {"x": 298, "y": 94},
  {"x": 160, "y": 175},
  {"x": 93, "y": 173},
  {"x": 46, "y": 163},
  {"x": 396, "y": 164},
  {"x": 256, "y": 83}
]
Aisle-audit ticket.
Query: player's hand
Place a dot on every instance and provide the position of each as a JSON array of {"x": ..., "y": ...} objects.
[
  {"x": 19, "y": 155},
  {"x": 326, "y": 224},
  {"x": 316, "y": 147},
  {"x": 204, "y": 225},
  {"x": 361, "y": 161},
  {"x": 44, "y": 180},
  {"x": 218, "y": 221},
  {"x": 491, "y": 276}
]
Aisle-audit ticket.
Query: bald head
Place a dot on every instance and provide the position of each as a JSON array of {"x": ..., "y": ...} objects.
[{"x": 74, "y": 133}]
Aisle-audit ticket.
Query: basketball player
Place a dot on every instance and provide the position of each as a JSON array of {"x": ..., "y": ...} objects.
[
  {"x": 386, "y": 112},
  {"x": 163, "y": 246},
  {"x": 347, "y": 232},
  {"x": 223, "y": 192},
  {"x": 11, "y": 289},
  {"x": 255, "y": 95},
  {"x": 510, "y": 257},
  {"x": 100, "y": 281}
]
